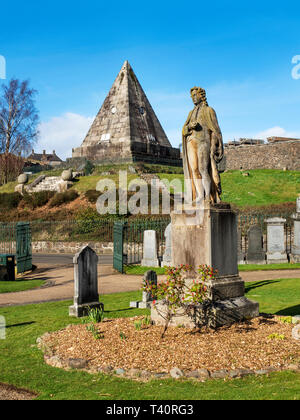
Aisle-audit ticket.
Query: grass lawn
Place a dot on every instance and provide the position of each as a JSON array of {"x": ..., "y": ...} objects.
[
  {"x": 21, "y": 363},
  {"x": 138, "y": 270},
  {"x": 262, "y": 187},
  {"x": 19, "y": 285}
]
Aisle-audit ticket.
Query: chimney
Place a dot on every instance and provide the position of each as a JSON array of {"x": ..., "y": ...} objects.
[
  {"x": 32, "y": 151},
  {"x": 53, "y": 152},
  {"x": 44, "y": 152}
]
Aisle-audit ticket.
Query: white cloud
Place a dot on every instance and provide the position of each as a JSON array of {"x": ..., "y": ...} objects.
[
  {"x": 63, "y": 133},
  {"x": 276, "y": 132}
]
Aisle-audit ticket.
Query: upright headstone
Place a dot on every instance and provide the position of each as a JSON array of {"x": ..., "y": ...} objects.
[
  {"x": 276, "y": 250},
  {"x": 85, "y": 282},
  {"x": 150, "y": 277},
  {"x": 295, "y": 254},
  {"x": 241, "y": 255},
  {"x": 167, "y": 257},
  {"x": 150, "y": 249},
  {"x": 255, "y": 252}
]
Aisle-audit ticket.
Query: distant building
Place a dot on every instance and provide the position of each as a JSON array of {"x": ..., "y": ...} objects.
[
  {"x": 126, "y": 128},
  {"x": 45, "y": 158}
]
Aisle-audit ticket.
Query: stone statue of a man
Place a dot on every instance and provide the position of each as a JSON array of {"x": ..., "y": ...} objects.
[{"x": 202, "y": 148}]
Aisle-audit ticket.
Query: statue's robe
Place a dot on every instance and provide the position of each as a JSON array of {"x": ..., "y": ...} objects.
[{"x": 205, "y": 116}]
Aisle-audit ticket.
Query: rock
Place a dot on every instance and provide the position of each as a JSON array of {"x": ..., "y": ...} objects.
[
  {"x": 199, "y": 374},
  {"x": 134, "y": 372},
  {"x": 219, "y": 374},
  {"x": 293, "y": 366},
  {"x": 20, "y": 188},
  {"x": 160, "y": 374},
  {"x": 54, "y": 361},
  {"x": 107, "y": 369},
  {"x": 176, "y": 373},
  {"x": 145, "y": 374},
  {"x": 296, "y": 332},
  {"x": 67, "y": 175},
  {"x": 77, "y": 363},
  {"x": 239, "y": 373},
  {"x": 296, "y": 319},
  {"x": 23, "y": 179},
  {"x": 120, "y": 371}
]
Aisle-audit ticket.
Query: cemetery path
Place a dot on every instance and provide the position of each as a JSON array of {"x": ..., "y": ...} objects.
[{"x": 59, "y": 284}]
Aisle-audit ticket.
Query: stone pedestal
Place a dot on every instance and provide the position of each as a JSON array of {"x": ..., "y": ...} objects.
[
  {"x": 276, "y": 250},
  {"x": 295, "y": 254},
  {"x": 209, "y": 236}
]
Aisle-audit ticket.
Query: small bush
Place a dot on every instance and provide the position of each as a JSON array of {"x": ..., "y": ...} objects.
[
  {"x": 63, "y": 198},
  {"x": 10, "y": 201},
  {"x": 92, "y": 195},
  {"x": 38, "y": 199}
]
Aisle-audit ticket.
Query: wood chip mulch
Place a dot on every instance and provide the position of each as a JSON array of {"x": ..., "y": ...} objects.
[{"x": 245, "y": 345}]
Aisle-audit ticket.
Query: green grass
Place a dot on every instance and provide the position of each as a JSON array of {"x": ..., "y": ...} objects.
[
  {"x": 264, "y": 267},
  {"x": 22, "y": 365},
  {"x": 19, "y": 285},
  {"x": 281, "y": 297},
  {"x": 261, "y": 188},
  {"x": 139, "y": 270}
]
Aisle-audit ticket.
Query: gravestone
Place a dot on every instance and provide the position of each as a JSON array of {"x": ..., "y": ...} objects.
[
  {"x": 85, "y": 283},
  {"x": 255, "y": 252},
  {"x": 150, "y": 249},
  {"x": 276, "y": 250},
  {"x": 150, "y": 277},
  {"x": 167, "y": 257},
  {"x": 295, "y": 254},
  {"x": 241, "y": 255}
]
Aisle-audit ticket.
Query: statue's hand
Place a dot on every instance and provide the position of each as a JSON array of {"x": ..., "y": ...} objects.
[{"x": 195, "y": 126}]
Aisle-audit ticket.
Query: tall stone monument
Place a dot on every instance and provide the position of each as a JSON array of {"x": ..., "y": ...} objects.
[
  {"x": 126, "y": 128},
  {"x": 205, "y": 231}
]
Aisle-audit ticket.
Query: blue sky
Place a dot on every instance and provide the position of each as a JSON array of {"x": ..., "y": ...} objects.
[{"x": 241, "y": 52}]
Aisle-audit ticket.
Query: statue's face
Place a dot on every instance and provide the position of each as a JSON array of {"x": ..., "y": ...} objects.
[{"x": 196, "y": 97}]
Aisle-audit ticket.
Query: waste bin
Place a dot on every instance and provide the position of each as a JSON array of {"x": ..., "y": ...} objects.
[{"x": 7, "y": 267}]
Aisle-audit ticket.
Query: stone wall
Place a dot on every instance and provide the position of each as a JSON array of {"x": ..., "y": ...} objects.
[
  {"x": 280, "y": 155},
  {"x": 48, "y": 247}
]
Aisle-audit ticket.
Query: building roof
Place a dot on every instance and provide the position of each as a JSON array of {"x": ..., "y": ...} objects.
[{"x": 44, "y": 157}]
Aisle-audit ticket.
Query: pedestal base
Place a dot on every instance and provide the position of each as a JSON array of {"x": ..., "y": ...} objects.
[
  {"x": 215, "y": 314},
  {"x": 82, "y": 310}
]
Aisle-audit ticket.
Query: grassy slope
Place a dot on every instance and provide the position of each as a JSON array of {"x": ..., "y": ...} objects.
[
  {"x": 21, "y": 363},
  {"x": 261, "y": 187}
]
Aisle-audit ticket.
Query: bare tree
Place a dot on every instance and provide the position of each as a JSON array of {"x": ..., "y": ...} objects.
[{"x": 18, "y": 117}]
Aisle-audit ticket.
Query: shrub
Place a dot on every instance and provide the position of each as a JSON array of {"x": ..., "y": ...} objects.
[
  {"x": 10, "y": 201},
  {"x": 92, "y": 195},
  {"x": 38, "y": 199},
  {"x": 63, "y": 198}
]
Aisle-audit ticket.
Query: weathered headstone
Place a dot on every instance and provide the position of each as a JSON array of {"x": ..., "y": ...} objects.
[
  {"x": 150, "y": 277},
  {"x": 150, "y": 249},
  {"x": 295, "y": 254},
  {"x": 167, "y": 257},
  {"x": 276, "y": 250},
  {"x": 85, "y": 282},
  {"x": 255, "y": 252},
  {"x": 241, "y": 255}
]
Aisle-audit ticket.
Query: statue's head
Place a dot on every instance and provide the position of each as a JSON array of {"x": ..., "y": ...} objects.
[{"x": 198, "y": 95}]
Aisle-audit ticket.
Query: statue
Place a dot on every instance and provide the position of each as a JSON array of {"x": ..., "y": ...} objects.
[{"x": 202, "y": 148}]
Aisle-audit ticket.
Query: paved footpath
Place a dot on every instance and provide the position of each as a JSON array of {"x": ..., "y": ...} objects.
[{"x": 60, "y": 285}]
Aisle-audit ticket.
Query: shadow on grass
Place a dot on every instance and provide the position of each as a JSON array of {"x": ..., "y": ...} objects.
[
  {"x": 291, "y": 311},
  {"x": 257, "y": 284},
  {"x": 20, "y": 325}
]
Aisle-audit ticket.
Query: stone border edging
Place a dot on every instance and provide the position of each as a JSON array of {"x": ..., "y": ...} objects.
[{"x": 136, "y": 374}]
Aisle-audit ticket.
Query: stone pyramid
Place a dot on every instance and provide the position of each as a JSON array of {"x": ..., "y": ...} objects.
[{"x": 126, "y": 128}]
